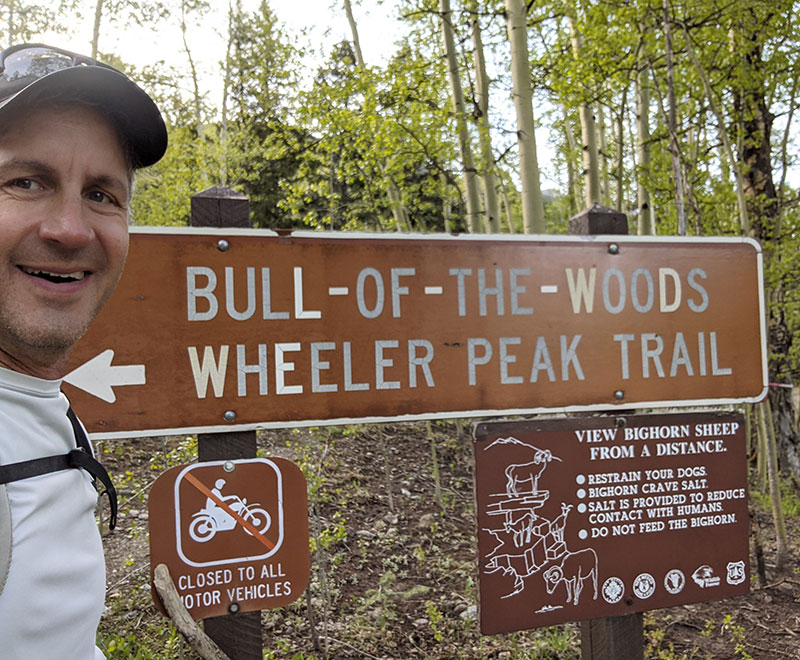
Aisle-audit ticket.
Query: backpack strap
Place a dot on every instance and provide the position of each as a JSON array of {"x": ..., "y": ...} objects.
[
  {"x": 76, "y": 458},
  {"x": 80, "y": 435}
]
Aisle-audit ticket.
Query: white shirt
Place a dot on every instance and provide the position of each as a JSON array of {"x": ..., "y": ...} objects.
[{"x": 53, "y": 597}]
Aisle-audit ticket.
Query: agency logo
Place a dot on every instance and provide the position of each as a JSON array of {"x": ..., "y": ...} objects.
[
  {"x": 613, "y": 590},
  {"x": 704, "y": 577},
  {"x": 674, "y": 581},
  {"x": 644, "y": 585},
  {"x": 736, "y": 572}
]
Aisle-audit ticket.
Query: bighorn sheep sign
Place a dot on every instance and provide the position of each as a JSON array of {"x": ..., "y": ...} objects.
[{"x": 602, "y": 516}]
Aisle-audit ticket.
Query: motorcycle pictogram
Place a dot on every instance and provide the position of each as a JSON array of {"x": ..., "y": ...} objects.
[{"x": 212, "y": 518}]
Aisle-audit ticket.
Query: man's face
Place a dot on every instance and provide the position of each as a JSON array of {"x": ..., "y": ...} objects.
[{"x": 64, "y": 194}]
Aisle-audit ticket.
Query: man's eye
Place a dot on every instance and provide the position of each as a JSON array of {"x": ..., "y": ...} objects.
[
  {"x": 100, "y": 197},
  {"x": 26, "y": 184}
]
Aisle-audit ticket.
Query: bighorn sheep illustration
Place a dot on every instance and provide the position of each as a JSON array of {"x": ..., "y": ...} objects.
[{"x": 575, "y": 567}]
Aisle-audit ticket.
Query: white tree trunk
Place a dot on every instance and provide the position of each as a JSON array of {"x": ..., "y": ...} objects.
[
  {"x": 591, "y": 165},
  {"x": 602, "y": 152},
  {"x": 225, "y": 87},
  {"x": 646, "y": 226},
  {"x": 196, "y": 97},
  {"x": 472, "y": 193},
  {"x": 354, "y": 31},
  {"x": 486, "y": 156},
  {"x": 620, "y": 158},
  {"x": 677, "y": 171},
  {"x": 98, "y": 15},
  {"x": 532, "y": 202},
  {"x": 572, "y": 150}
]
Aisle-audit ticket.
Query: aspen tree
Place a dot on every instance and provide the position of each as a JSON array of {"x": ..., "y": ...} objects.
[
  {"x": 646, "y": 224},
  {"x": 602, "y": 152},
  {"x": 672, "y": 124},
  {"x": 507, "y": 210},
  {"x": 472, "y": 194},
  {"x": 744, "y": 222},
  {"x": 98, "y": 17},
  {"x": 619, "y": 165},
  {"x": 232, "y": 13},
  {"x": 573, "y": 187},
  {"x": 196, "y": 95},
  {"x": 591, "y": 165},
  {"x": 490, "y": 202},
  {"x": 354, "y": 32},
  {"x": 532, "y": 202}
]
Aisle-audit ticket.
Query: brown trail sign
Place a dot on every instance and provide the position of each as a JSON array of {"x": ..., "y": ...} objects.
[
  {"x": 222, "y": 330},
  {"x": 604, "y": 516},
  {"x": 234, "y": 534}
]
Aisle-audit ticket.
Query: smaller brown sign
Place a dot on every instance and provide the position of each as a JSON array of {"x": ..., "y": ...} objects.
[
  {"x": 234, "y": 534},
  {"x": 604, "y": 516}
]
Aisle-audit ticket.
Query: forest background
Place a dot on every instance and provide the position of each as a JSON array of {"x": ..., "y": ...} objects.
[{"x": 680, "y": 114}]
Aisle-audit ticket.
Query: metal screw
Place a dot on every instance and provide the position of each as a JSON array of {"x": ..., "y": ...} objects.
[
  {"x": 229, "y": 466},
  {"x": 629, "y": 601},
  {"x": 619, "y": 395},
  {"x": 613, "y": 248},
  {"x": 621, "y": 422},
  {"x": 233, "y": 608},
  {"x": 223, "y": 245},
  {"x": 229, "y": 416}
]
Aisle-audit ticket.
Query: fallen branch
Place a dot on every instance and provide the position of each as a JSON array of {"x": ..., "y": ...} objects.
[
  {"x": 778, "y": 584},
  {"x": 685, "y": 624},
  {"x": 201, "y": 643}
]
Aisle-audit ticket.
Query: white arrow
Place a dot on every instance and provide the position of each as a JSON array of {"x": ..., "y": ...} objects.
[{"x": 98, "y": 377}]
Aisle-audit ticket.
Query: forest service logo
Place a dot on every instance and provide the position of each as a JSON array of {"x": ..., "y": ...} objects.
[{"x": 736, "y": 573}]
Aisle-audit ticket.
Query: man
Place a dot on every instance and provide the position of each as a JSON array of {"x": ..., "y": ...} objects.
[{"x": 72, "y": 131}]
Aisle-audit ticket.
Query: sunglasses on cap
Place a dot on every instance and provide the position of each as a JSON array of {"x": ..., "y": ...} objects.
[
  {"x": 31, "y": 74},
  {"x": 37, "y": 60}
]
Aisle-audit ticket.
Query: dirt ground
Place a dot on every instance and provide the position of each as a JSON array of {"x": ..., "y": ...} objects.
[{"x": 394, "y": 568}]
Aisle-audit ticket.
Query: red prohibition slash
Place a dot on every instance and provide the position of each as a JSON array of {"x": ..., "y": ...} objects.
[{"x": 244, "y": 523}]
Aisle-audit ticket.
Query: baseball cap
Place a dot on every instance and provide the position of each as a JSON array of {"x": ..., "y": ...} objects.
[{"x": 31, "y": 74}]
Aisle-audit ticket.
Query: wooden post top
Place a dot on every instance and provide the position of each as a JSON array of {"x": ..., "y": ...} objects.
[
  {"x": 598, "y": 220},
  {"x": 220, "y": 206}
]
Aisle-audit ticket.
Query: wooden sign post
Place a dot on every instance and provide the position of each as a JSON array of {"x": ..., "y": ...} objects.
[
  {"x": 617, "y": 637},
  {"x": 239, "y": 635}
]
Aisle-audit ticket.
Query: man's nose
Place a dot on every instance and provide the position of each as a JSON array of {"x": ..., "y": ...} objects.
[{"x": 68, "y": 223}]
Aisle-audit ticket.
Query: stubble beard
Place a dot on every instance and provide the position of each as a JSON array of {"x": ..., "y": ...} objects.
[
  {"x": 37, "y": 346},
  {"x": 48, "y": 345}
]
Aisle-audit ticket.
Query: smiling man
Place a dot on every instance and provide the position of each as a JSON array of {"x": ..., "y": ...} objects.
[{"x": 72, "y": 132}]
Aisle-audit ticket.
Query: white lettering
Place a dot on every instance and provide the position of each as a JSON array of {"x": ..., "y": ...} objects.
[{"x": 210, "y": 370}]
